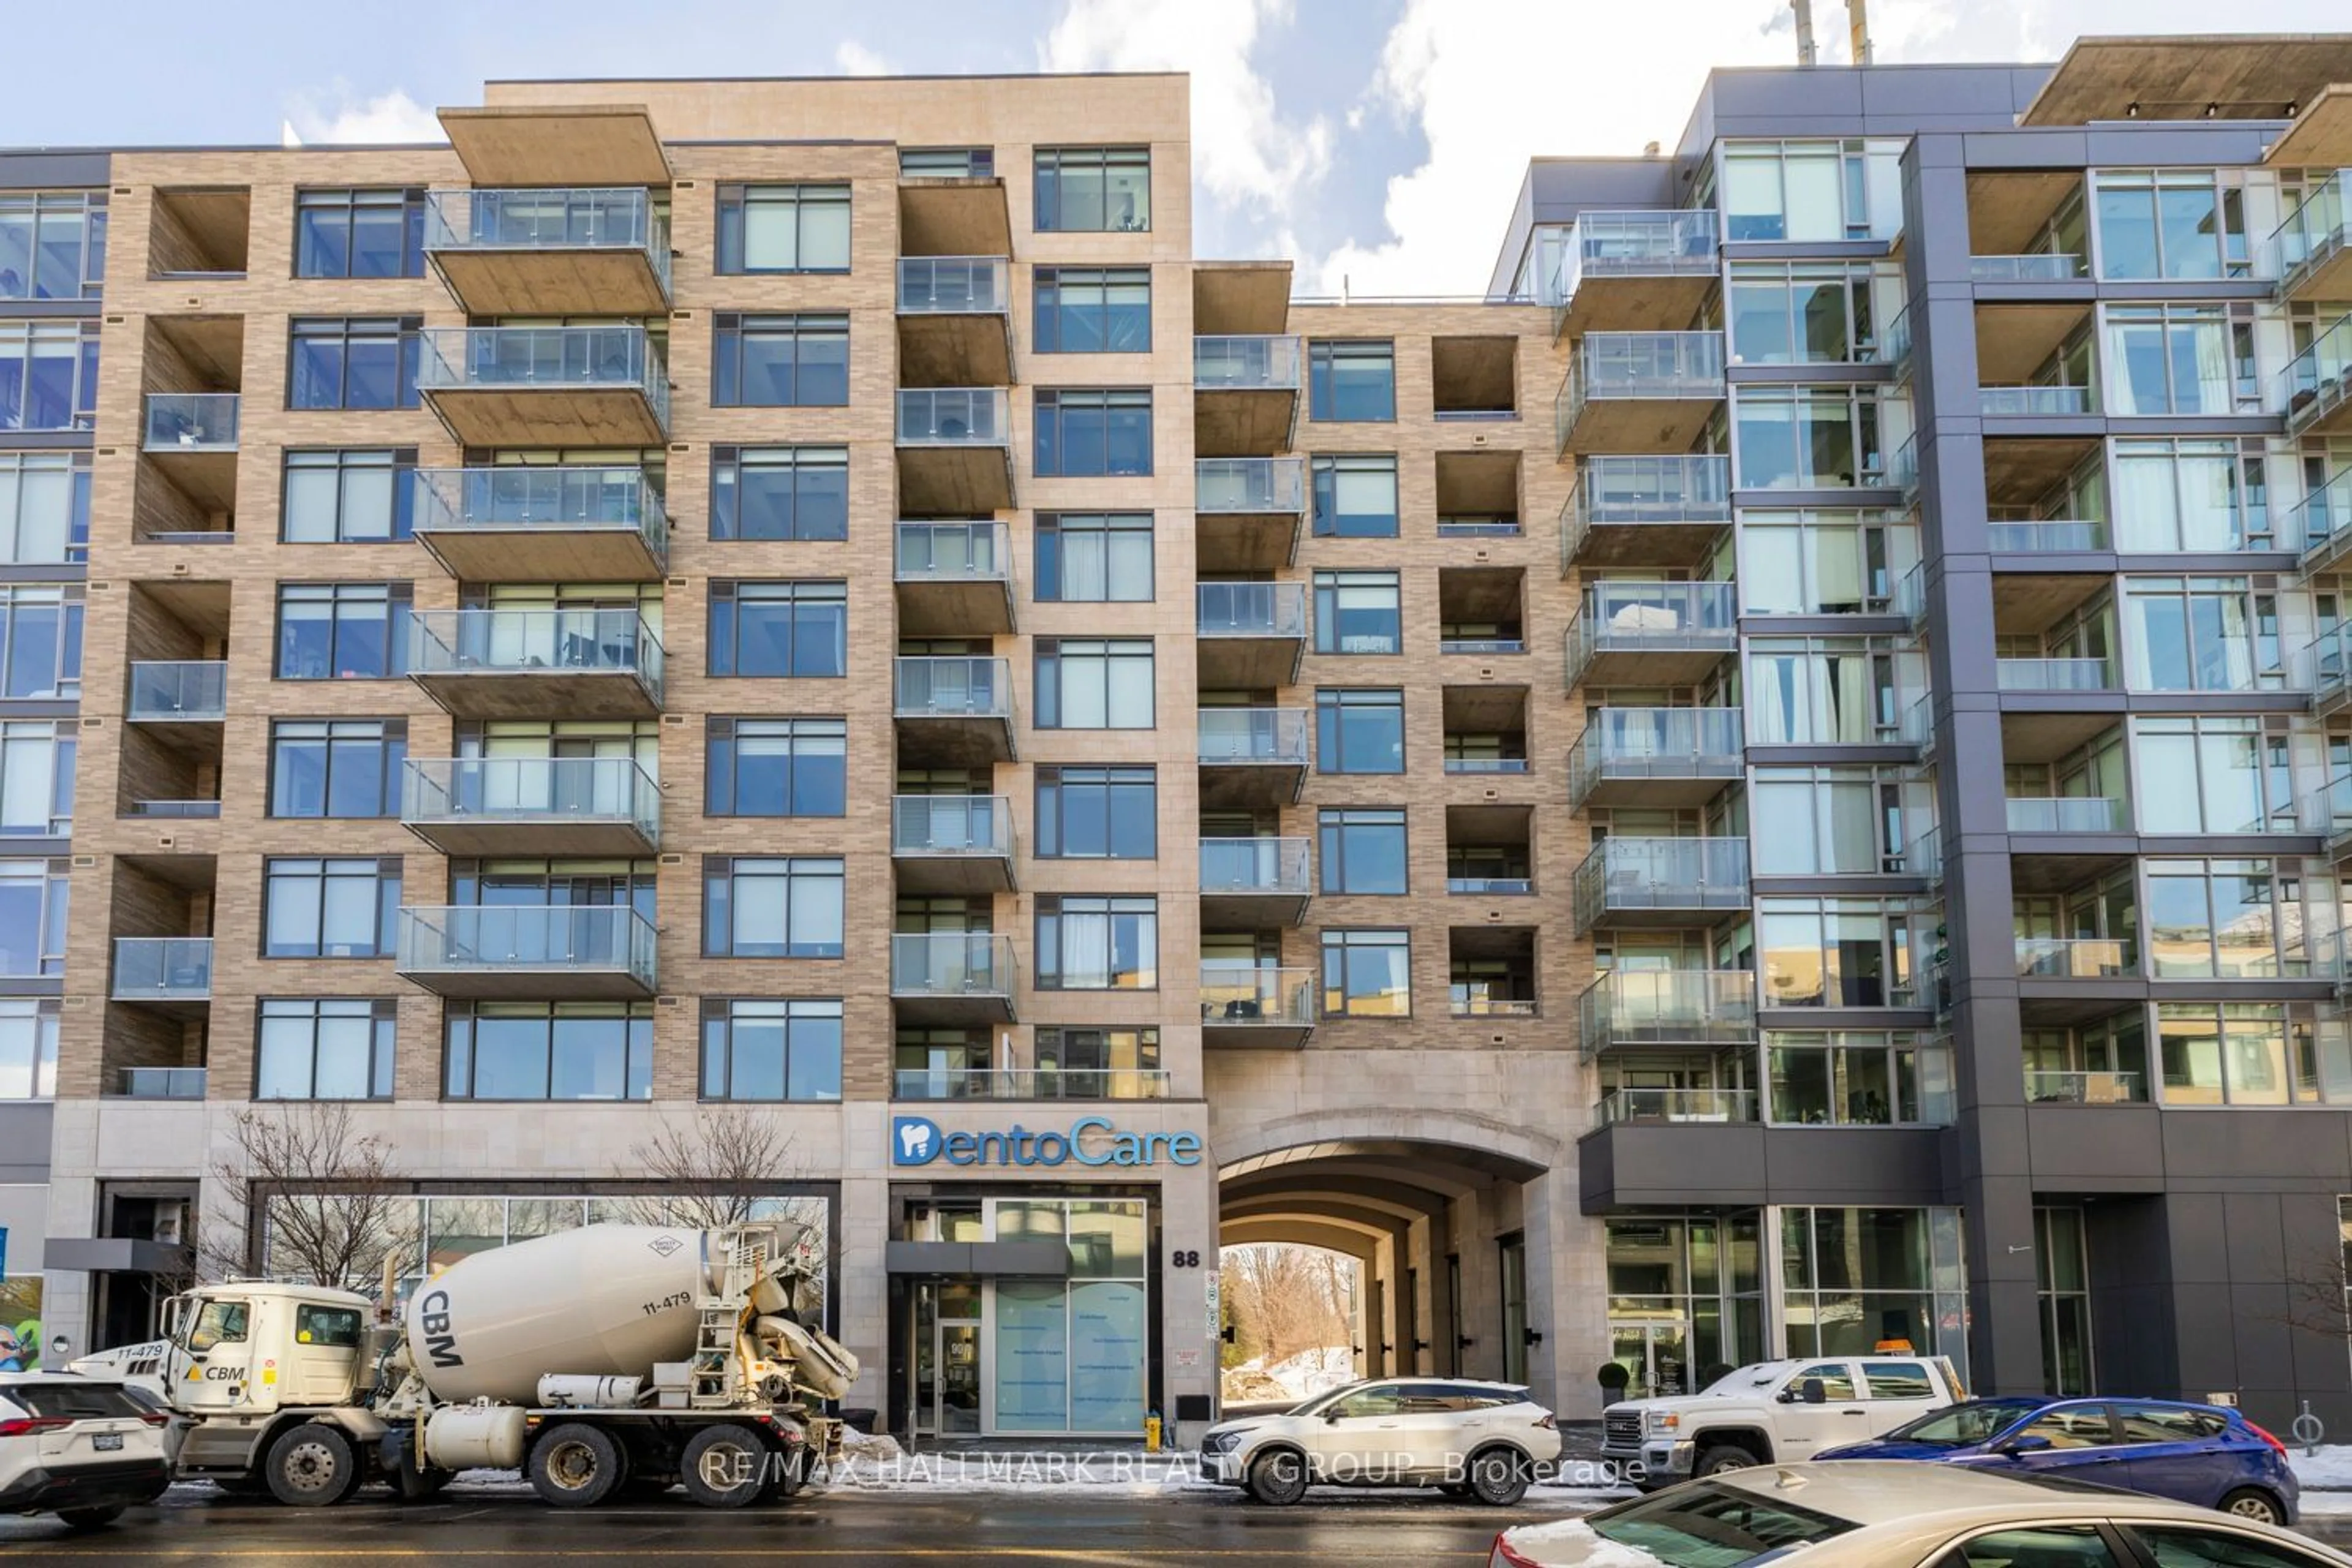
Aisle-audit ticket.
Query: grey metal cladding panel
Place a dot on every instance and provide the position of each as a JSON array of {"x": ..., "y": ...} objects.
[
  {"x": 2240, "y": 142},
  {"x": 2197, "y": 1237},
  {"x": 1919, "y": 93},
  {"x": 1561, "y": 188},
  {"x": 24, "y": 1142},
  {"x": 29, "y": 171},
  {"x": 2080, "y": 1147},
  {"x": 1845, "y": 1165},
  {"x": 1049, "y": 1258},
  {"x": 2244, "y": 1145},
  {"x": 2038, "y": 149},
  {"x": 1745, "y": 96},
  {"x": 2252, "y": 1233},
  {"x": 1632, "y": 1164},
  {"x": 2205, "y": 1343}
]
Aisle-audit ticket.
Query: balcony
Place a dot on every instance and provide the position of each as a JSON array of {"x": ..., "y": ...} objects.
[
  {"x": 1639, "y": 392},
  {"x": 1632, "y": 272},
  {"x": 2046, "y": 267},
  {"x": 170, "y": 974},
  {"x": 954, "y": 579},
  {"x": 546, "y": 387},
  {"x": 1244, "y": 1005},
  {"x": 1252, "y": 758},
  {"x": 2322, "y": 523},
  {"x": 2317, "y": 386},
  {"x": 2068, "y": 814},
  {"x": 1679, "y": 1009},
  {"x": 191, "y": 437},
  {"x": 953, "y": 207},
  {"x": 1660, "y": 882},
  {"x": 953, "y": 712},
  {"x": 952, "y": 843},
  {"x": 955, "y": 320},
  {"x": 2053, "y": 675},
  {"x": 955, "y": 451},
  {"x": 1664, "y": 511},
  {"x": 517, "y": 525},
  {"x": 1651, "y": 634},
  {"x": 1656, "y": 757},
  {"x": 162, "y": 1083},
  {"x": 528, "y": 953},
  {"x": 2328, "y": 811},
  {"x": 1249, "y": 634},
  {"x": 536, "y": 663},
  {"x": 1254, "y": 883},
  {"x": 2314, "y": 245},
  {"x": 557, "y": 144},
  {"x": 2074, "y": 958},
  {"x": 582, "y": 251},
  {"x": 1244, "y": 395},
  {"x": 1246, "y": 512},
  {"x": 2046, "y": 537},
  {"x": 951, "y": 978},
  {"x": 1675, "y": 1105},
  {"x": 607, "y": 807},
  {"x": 1030, "y": 1083},
  {"x": 2085, "y": 1088},
  {"x": 178, "y": 693},
  {"x": 2035, "y": 402},
  {"x": 2330, "y": 654}
]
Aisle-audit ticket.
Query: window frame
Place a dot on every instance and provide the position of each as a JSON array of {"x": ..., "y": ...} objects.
[
  {"x": 1331, "y": 587},
  {"x": 398, "y": 601},
  {"x": 1053, "y": 567},
  {"x": 1326, "y": 520},
  {"x": 1337, "y": 941},
  {"x": 636, "y": 1019},
  {"x": 1054, "y": 935},
  {"x": 1050, "y": 172},
  {"x": 1332, "y": 828},
  {"x": 1113, "y": 655},
  {"x": 729, "y": 732},
  {"x": 1114, "y": 407},
  {"x": 278, "y": 870},
  {"x": 344, "y": 462},
  {"x": 1325, "y": 390},
  {"x": 381, "y": 1014},
  {"x": 1331, "y": 702},
  {"x": 401, "y": 331},
  {"x": 390, "y": 744},
  {"x": 733, "y": 331},
  {"x": 1053, "y": 784},
  {"x": 793, "y": 598},
  {"x": 408, "y": 203},
  {"x": 718, "y": 1048},
  {"x": 732, "y": 232},
  {"x": 802, "y": 876},
  {"x": 17, "y": 506},
  {"x": 729, "y": 464},
  {"x": 1048, "y": 322}
]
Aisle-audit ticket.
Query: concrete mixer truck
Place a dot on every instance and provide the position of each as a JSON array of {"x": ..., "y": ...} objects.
[{"x": 596, "y": 1359}]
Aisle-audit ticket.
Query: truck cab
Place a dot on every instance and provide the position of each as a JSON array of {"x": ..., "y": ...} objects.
[
  {"x": 256, "y": 1347},
  {"x": 1773, "y": 1411}
]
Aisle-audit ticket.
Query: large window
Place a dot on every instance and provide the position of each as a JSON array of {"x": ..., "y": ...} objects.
[
  {"x": 1838, "y": 952},
  {"x": 336, "y": 767},
  {"x": 37, "y": 777},
  {"x": 2225, "y": 1053},
  {"x": 1351, "y": 381},
  {"x": 1093, "y": 190},
  {"x": 1828, "y": 691},
  {"x": 329, "y": 909},
  {"x": 1812, "y": 437},
  {"x": 48, "y": 375},
  {"x": 790, "y": 629},
  {"x": 771, "y": 1048},
  {"x": 2213, "y": 774},
  {"x": 344, "y": 362},
  {"x": 44, "y": 508},
  {"x": 1355, "y": 497},
  {"x": 325, "y": 1048},
  {"x": 1824, "y": 822},
  {"x": 2192, "y": 495},
  {"x": 1094, "y": 683},
  {"x": 1852, "y": 1279},
  {"x": 2174, "y": 359},
  {"x": 1093, "y": 309},
  {"x": 1360, "y": 730},
  {"x": 1094, "y": 557},
  {"x": 342, "y": 631},
  {"x": 784, "y": 228},
  {"x": 771, "y": 907},
  {"x": 2168, "y": 223},
  {"x": 1362, "y": 850},
  {"x": 777, "y": 767},
  {"x": 347, "y": 497},
  {"x": 1089, "y": 433},
  {"x": 33, "y": 910},
  {"x": 1823, "y": 563},
  {"x": 1366, "y": 973},
  {"x": 780, "y": 362},
  {"x": 1851, "y": 1077},
  {"x": 1106, "y": 813},
  {"x": 1358, "y": 612},
  {"x": 1098, "y": 1064},
  {"x": 40, "y": 642},
  {"x": 28, "y": 1049},
  {"x": 52, "y": 245},
  {"x": 2225, "y": 919},
  {"x": 1812, "y": 190},
  {"x": 779, "y": 492},
  {"x": 2061, "y": 1279},
  {"x": 551, "y": 1050},
  {"x": 1821, "y": 312},
  {"x": 1097, "y": 943},
  {"x": 359, "y": 234},
  {"x": 2199, "y": 634}
]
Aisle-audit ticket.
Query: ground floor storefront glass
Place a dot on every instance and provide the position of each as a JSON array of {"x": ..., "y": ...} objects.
[
  {"x": 1685, "y": 1297},
  {"x": 1855, "y": 1280}
]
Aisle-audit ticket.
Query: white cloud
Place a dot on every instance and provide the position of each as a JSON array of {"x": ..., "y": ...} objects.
[
  {"x": 856, "y": 59},
  {"x": 334, "y": 116}
]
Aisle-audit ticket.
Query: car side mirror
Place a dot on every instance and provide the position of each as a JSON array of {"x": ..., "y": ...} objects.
[
  {"x": 2030, "y": 1444},
  {"x": 1816, "y": 1392},
  {"x": 1330, "y": 1418}
]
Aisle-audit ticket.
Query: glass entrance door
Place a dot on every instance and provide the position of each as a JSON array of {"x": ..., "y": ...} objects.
[
  {"x": 1656, "y": 1355},
  {"x": 956, "y": 1356}
]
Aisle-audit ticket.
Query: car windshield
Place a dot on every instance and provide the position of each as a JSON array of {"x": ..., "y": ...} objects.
[
  {"x": 1713, "y": 1527},
  {"x": 1740, "y": 1379},
  {"x": 1961, "y": 1425},
  {"x": 1313, "y": 1404}
]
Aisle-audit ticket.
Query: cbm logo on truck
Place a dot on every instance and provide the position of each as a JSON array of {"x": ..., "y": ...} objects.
[{"x": 440, "y": 1344}]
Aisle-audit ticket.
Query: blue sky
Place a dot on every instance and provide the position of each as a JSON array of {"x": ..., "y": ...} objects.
[{"x": 1377, "y": 140}]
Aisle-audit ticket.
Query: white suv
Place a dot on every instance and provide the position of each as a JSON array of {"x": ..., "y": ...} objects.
[
  {"x": 82, "y": 1448},
  {"x": 1485, "y": 1440}
]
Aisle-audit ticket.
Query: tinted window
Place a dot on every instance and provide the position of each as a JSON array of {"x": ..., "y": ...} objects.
[
  {"x": 102, "y": 1402},
  {"x": 335, "y": 1326},
  {"x": 1963, "y": 1424},
  {"x": 2182, "y": 1546},
  {"x": 2050, "y": 1546},
  {"x": 1897, "y": 1380},
  {"x": 2167, "y": 1424},
  {"x": 1837, "y": 1380},
  {"x": 2072, "y": 1426},
  {"x": 1381, "y": 1399},
  {"x": 1709, "y": 1527}
]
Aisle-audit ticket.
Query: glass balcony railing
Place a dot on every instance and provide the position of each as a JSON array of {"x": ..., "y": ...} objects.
[
  {"x": 954, "y": 417},
  {"x": 1269, "y": 866},
  {"x": 534, "y": 642},
  {"x": 178, "y": 691},
  {"x": 1268, "y": 363},
  {"x": 1489, "y": 887},
  {"x": 2316, "y": 229},
  {"x": 1030, "y": 1083},
  {"x": 1274, "y": 737},
  {"x": 2046, "y": 1088},
  {"x": 955, "y": 285},
  {"x": 513, "y": 498},
  {"x": 2319, "y": 380},
  {"x": 2045, "y": 266},
  {"x": 1486, "y": 764},
  {"x": 2009, "y": 402},
  {"x": 531, "y": 790},
  {"x": 2068, "y": 814},
  {"x": 2049, "y": 536},
  {"x": 952, "y": 687},
  {"x": 1621, "y": 1105},
  {"x": 952, "y": 963},
  {"x": 1251, "y": 609},
  {"x": 1500, "y": 644},
  {"x": 1638, "y": 243},
  {"x": 2321, "y": 523},
  {"x": 955, "y": 824},
  {"x": 163, "y": 968},
  {"x": 2328, "y": 809},
  {"x": 2074, "y": 958},
  {"x": 1478, "y": 1001},
  {"x": 551, "y": 939},
  {"x": 181, "y": 809},
  {"x": 1652, "y": 617},
  {"x": 2052, "y": 675},
  {"x": 1241, "y": 995},
  {"x": 2330, "y": 654},
  {"x": 1618, "y": 491},
  {"x": 1656, "y": 743},
  {"x": 543, "y": 359},
  {"x": 1669, "y": 1008},
  {"x": 1679, "y": 874},
  {"x": 192, "y": 421},
  {"x": 561, "y": 218},
  {"x": 1250, "y": 485},
  {"x": 1903, "y": 468},
  {"x": 954, "y": 553},
  {"x": 1642, "y": 366},
  {"x": 162, "y": 1083}
]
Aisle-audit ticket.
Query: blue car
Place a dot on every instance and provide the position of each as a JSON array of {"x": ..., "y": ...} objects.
[{"x": 2201, "y": 1454}]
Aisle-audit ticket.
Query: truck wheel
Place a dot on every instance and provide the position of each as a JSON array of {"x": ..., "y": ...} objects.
[
  {"x": 1497, "y": 1479},
  {"x": 313, "y": 1466},
  {"x": 1278, "y": 1477},
  {"x": 575, "y": 1466},
  {"x": 725, "y": 1466},
  {"x": 89, "y": 1518},
  {"x": 1724, "y": 1456}
]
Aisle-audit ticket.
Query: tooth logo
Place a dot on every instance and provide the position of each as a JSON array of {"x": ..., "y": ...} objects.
[{"x": 914, "y": 1140}]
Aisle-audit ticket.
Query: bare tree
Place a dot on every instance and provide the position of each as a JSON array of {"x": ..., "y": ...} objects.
[
  {"x": 711, "y": 1170},
  {"x": 2316, "y": 1300},
  {"x": 1286, "y": 1298},
  {"x": 333, "y": 1202}
]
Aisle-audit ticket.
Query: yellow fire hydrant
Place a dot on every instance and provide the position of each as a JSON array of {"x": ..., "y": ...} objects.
[{"x": 1151, "y": 1433}]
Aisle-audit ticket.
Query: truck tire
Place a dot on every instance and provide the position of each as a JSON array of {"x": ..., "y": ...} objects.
[
  {"x": 312, "y": 1465},
  {"x": 1498, "y": 1477},
  {"x": 726, "y": 1465},
  {"x": 575, "y": 1466},
  {"x": 91, "y": 1518},
  {"x": 1278, "y": 1476},
  {"x": 1720, "y": 1456}
]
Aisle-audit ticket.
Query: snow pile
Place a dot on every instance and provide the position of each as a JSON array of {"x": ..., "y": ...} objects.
[
  {"x": 1310, "y": 1373},
  {"x": 1571, "y": 1541},
  {"x": 2331, "y": 1467}
]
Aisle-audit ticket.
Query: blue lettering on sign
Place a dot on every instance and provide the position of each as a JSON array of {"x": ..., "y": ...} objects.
[{"x": 1090, "y": 1141}]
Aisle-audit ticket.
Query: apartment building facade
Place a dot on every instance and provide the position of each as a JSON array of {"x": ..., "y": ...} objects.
[{"x": 1770, "y": 787}]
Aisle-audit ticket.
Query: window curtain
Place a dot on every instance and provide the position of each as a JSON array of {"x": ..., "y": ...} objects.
[{"x": 2145, "y": 509}]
